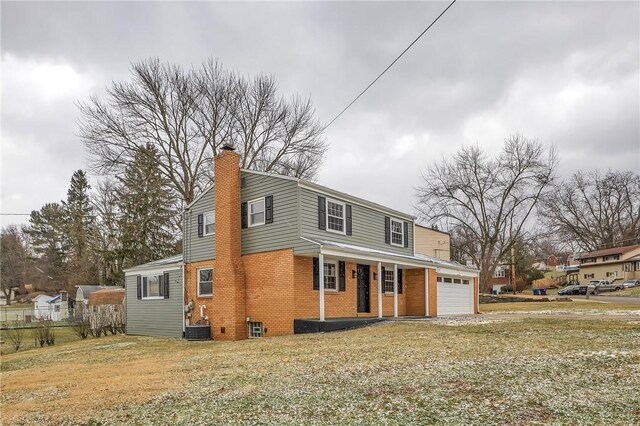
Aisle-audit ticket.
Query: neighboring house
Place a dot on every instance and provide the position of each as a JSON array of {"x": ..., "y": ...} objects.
[
  {"x": 541, "y": 266},
  {"x": 619, "y": 263},
  {"x": 55, "y": 308},
  {"x": 263, "y": 253},
  {"x": 433, "y": 242},
  {"x": 12, "y": 296},
  {"x": 501, "y": 277},
  {"x": 106, "y": 308},
  {"x": 83, "y": 292}
]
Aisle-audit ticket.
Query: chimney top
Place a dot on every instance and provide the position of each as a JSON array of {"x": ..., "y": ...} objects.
[{"x": 228, "y": 147}]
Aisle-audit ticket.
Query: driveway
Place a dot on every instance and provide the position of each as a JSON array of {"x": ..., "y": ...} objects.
[{"x": 612, "y": 299}]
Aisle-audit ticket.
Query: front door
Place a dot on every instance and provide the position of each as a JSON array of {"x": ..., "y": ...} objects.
[{"x": 363, "y": 288}]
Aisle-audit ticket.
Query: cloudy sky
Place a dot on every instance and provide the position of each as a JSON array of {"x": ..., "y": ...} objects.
[{"x": 567, "y": 73}]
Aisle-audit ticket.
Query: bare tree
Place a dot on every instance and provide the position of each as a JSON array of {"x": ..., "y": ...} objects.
[
  {"x": 188, "y": 115},
  {"x": 13, "y": 260},
  {"x": 486, "y": 202},
  {"x": 593, "y": 210}
]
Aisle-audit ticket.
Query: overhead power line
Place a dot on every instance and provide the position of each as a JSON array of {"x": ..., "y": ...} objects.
[{"x": 390, "y": 65}]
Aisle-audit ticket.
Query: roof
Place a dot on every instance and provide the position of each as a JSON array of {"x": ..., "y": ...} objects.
[
  {"x": 88, "y": 289},
  {"x": 167, "y": 261},
  {"x": 107, "y": 297},
  {"x": 607, "y": 252},
  {"x": 431, "y": 229},
  {"x": 419, "y": 258},
  {"x": 316, "y": 187}
]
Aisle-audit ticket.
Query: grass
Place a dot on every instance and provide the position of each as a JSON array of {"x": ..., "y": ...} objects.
[
  {"x": 471, "y": 372},
  {"x": 627, "y": 292}
]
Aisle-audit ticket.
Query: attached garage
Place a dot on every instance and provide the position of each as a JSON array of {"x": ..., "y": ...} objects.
[{"x": 455, "y": 295}]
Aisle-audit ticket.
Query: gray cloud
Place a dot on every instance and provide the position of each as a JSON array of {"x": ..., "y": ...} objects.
[{"x": 567, "y": 73}]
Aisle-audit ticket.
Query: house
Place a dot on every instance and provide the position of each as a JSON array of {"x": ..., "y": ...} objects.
[
  {"x": 54, "y": 308},
  {"x": 432, "y": 242},
  {"x": 268, "y": 255},
  {"x": 618, "y": 263},
  {"x": 11, "y": 298},
  {"x": 83, "y": 292},
  {"x": 106, "y": 308}
]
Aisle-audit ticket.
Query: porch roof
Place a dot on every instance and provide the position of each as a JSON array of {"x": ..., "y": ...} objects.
[{"x": 366, "y": 253}]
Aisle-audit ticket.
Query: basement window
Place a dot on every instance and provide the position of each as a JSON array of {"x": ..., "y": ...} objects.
[{"x": 255, "y": 329}]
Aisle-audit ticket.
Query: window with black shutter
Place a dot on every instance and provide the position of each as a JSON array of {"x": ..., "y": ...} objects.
[
  {"x": 406, "y": 234},
  {"x": 166, "y": 283},
  {"x": 342, "y": 278},
  {"x": 268, "y": 209},
  {"x": 399, "y": 281},
  {"x": 243, "y": 215},
  {"x": 200, "y": 225},
  {"x": 316, "y": 273},
  {"x": 348, "y": 219},
  {"x": 139, "y": 286},
  {"x": 387, "y": 230}
]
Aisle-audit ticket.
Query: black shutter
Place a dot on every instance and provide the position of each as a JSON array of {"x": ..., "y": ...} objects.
[
  {"x": 243, "y": 215},
  {"x": 399, "y": 281},
  {"x": 322, "y": 213},
  {"x": 406, "y": 234},
  {"x": 268, "y": 209},
  {"x": 316, "y": 273},
  {"x": 165, "y": 281},
  {"x": 139, "y": 283},
  {"x": 200, "y": 225},
  {"x": 342, "y": 283},
  {"x": 383, "y": 279},
  {"x": 348, "y": 220},
  {"x": 387, "y": 230}
]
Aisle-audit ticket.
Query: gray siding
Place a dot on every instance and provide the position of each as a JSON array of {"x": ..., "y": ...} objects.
[
  {"x": 197, "y": 249},
  {"x": 367, "y": 225},
  {"x": 162, "y": 317},
  {"x": 283, "y": 232}
]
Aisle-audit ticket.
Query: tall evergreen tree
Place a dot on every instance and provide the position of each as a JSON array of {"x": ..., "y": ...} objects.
[
  {"x": 50, "y": 243},
  {"x": 79, "y": 228},
  {"x": 148, "y": 209}
]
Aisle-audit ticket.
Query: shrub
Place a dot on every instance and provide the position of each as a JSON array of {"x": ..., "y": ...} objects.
[
  {"x": 15, "y": 334},
  {"x": 44, "y": 333}
]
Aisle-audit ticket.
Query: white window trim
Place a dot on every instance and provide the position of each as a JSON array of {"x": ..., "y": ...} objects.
[
  {"x": 344, "y": 216},
  {"x": 264, "y": 212},
  {"x": 384, "y": 282},
  {"x": 142, "y": 289},
  {"x": 335, "y": 264},
  {"x": 204, "y": 223},
  {"x": 499, "y": 273},
  {"x": 391, "y": 231},
  {"x": 198, "y": 282}
]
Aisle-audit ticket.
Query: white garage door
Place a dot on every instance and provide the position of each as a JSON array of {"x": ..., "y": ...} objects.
[{"x": 454, "y": 298}]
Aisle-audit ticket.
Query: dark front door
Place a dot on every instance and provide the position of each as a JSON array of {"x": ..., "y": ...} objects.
[{"x": 363, "y": 288}]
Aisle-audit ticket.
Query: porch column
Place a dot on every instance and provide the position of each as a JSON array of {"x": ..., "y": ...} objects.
[
  {"x": 426, "y": 292},
  {"x": 395, "y": 290},
  {"x": 321, "y": 284},
  {"x": 380, "y": 277}
]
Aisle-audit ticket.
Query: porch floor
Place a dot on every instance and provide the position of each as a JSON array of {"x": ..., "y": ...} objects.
[{"x": 313, "y": 325}]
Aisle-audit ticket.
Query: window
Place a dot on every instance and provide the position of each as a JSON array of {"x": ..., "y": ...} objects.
[
  {"x": 628, "y": 267},
  {"x": 638, "y": 265},
  {"x": 447, "y": 280},
  {"x": 612, "y": 274},
  {"x": 397, "y": 233},
  {"x": 388, "y": 281},
  {"x": 439, "y": 279},
  {"x": 466, "y": 282},
  {"x": 612, "y": 257},
  {"x": 335, "y": 216},
  {"x": 499, "y": 273},
  {"x": 457, "y": 281},
  {"x": 330, "y": 277},
  {"x": 588, "y": 276},
  {"x": 255, "y": 329},
  {"x": 152, "y": 287},
  {"x": 56, "y": 308},
  {"x": 256, "y": 212},
  {"x": 209, "y": 223},
  {"x": 205, "y": 282},
  {"x": 589, "y": 260}
]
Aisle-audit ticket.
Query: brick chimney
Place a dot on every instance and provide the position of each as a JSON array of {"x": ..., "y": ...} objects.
[{"x": 229, "y": 308}]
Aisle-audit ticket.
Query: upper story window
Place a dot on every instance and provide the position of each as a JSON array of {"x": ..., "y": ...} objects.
[
  {"x": 589, "y": 260},
  {"x": 612, "y": 257},
  {"x": 330, "y": 276},
  {"x": 499, "y": 273},
  {"x": 335, "y": 216},
  {"x": 205, "y": 282},
  {"x": 397, "y": 232},
  {"x": 256, "y": 212},
  {"x": 209, "y": 223}
]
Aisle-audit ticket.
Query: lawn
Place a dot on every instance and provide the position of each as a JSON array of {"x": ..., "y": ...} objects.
[
  {"x": 579, "y": 306},
  {"x": 628, "y": 292},
  {"x": 62, "y": 335},
  {"x": 473, "y": 372}
]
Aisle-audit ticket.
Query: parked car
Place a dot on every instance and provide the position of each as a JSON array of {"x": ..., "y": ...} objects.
[
  {"x": 604, "y": 285},
  {"x": 631, "y": 283},
  {"x": 570, "y": 289}
]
